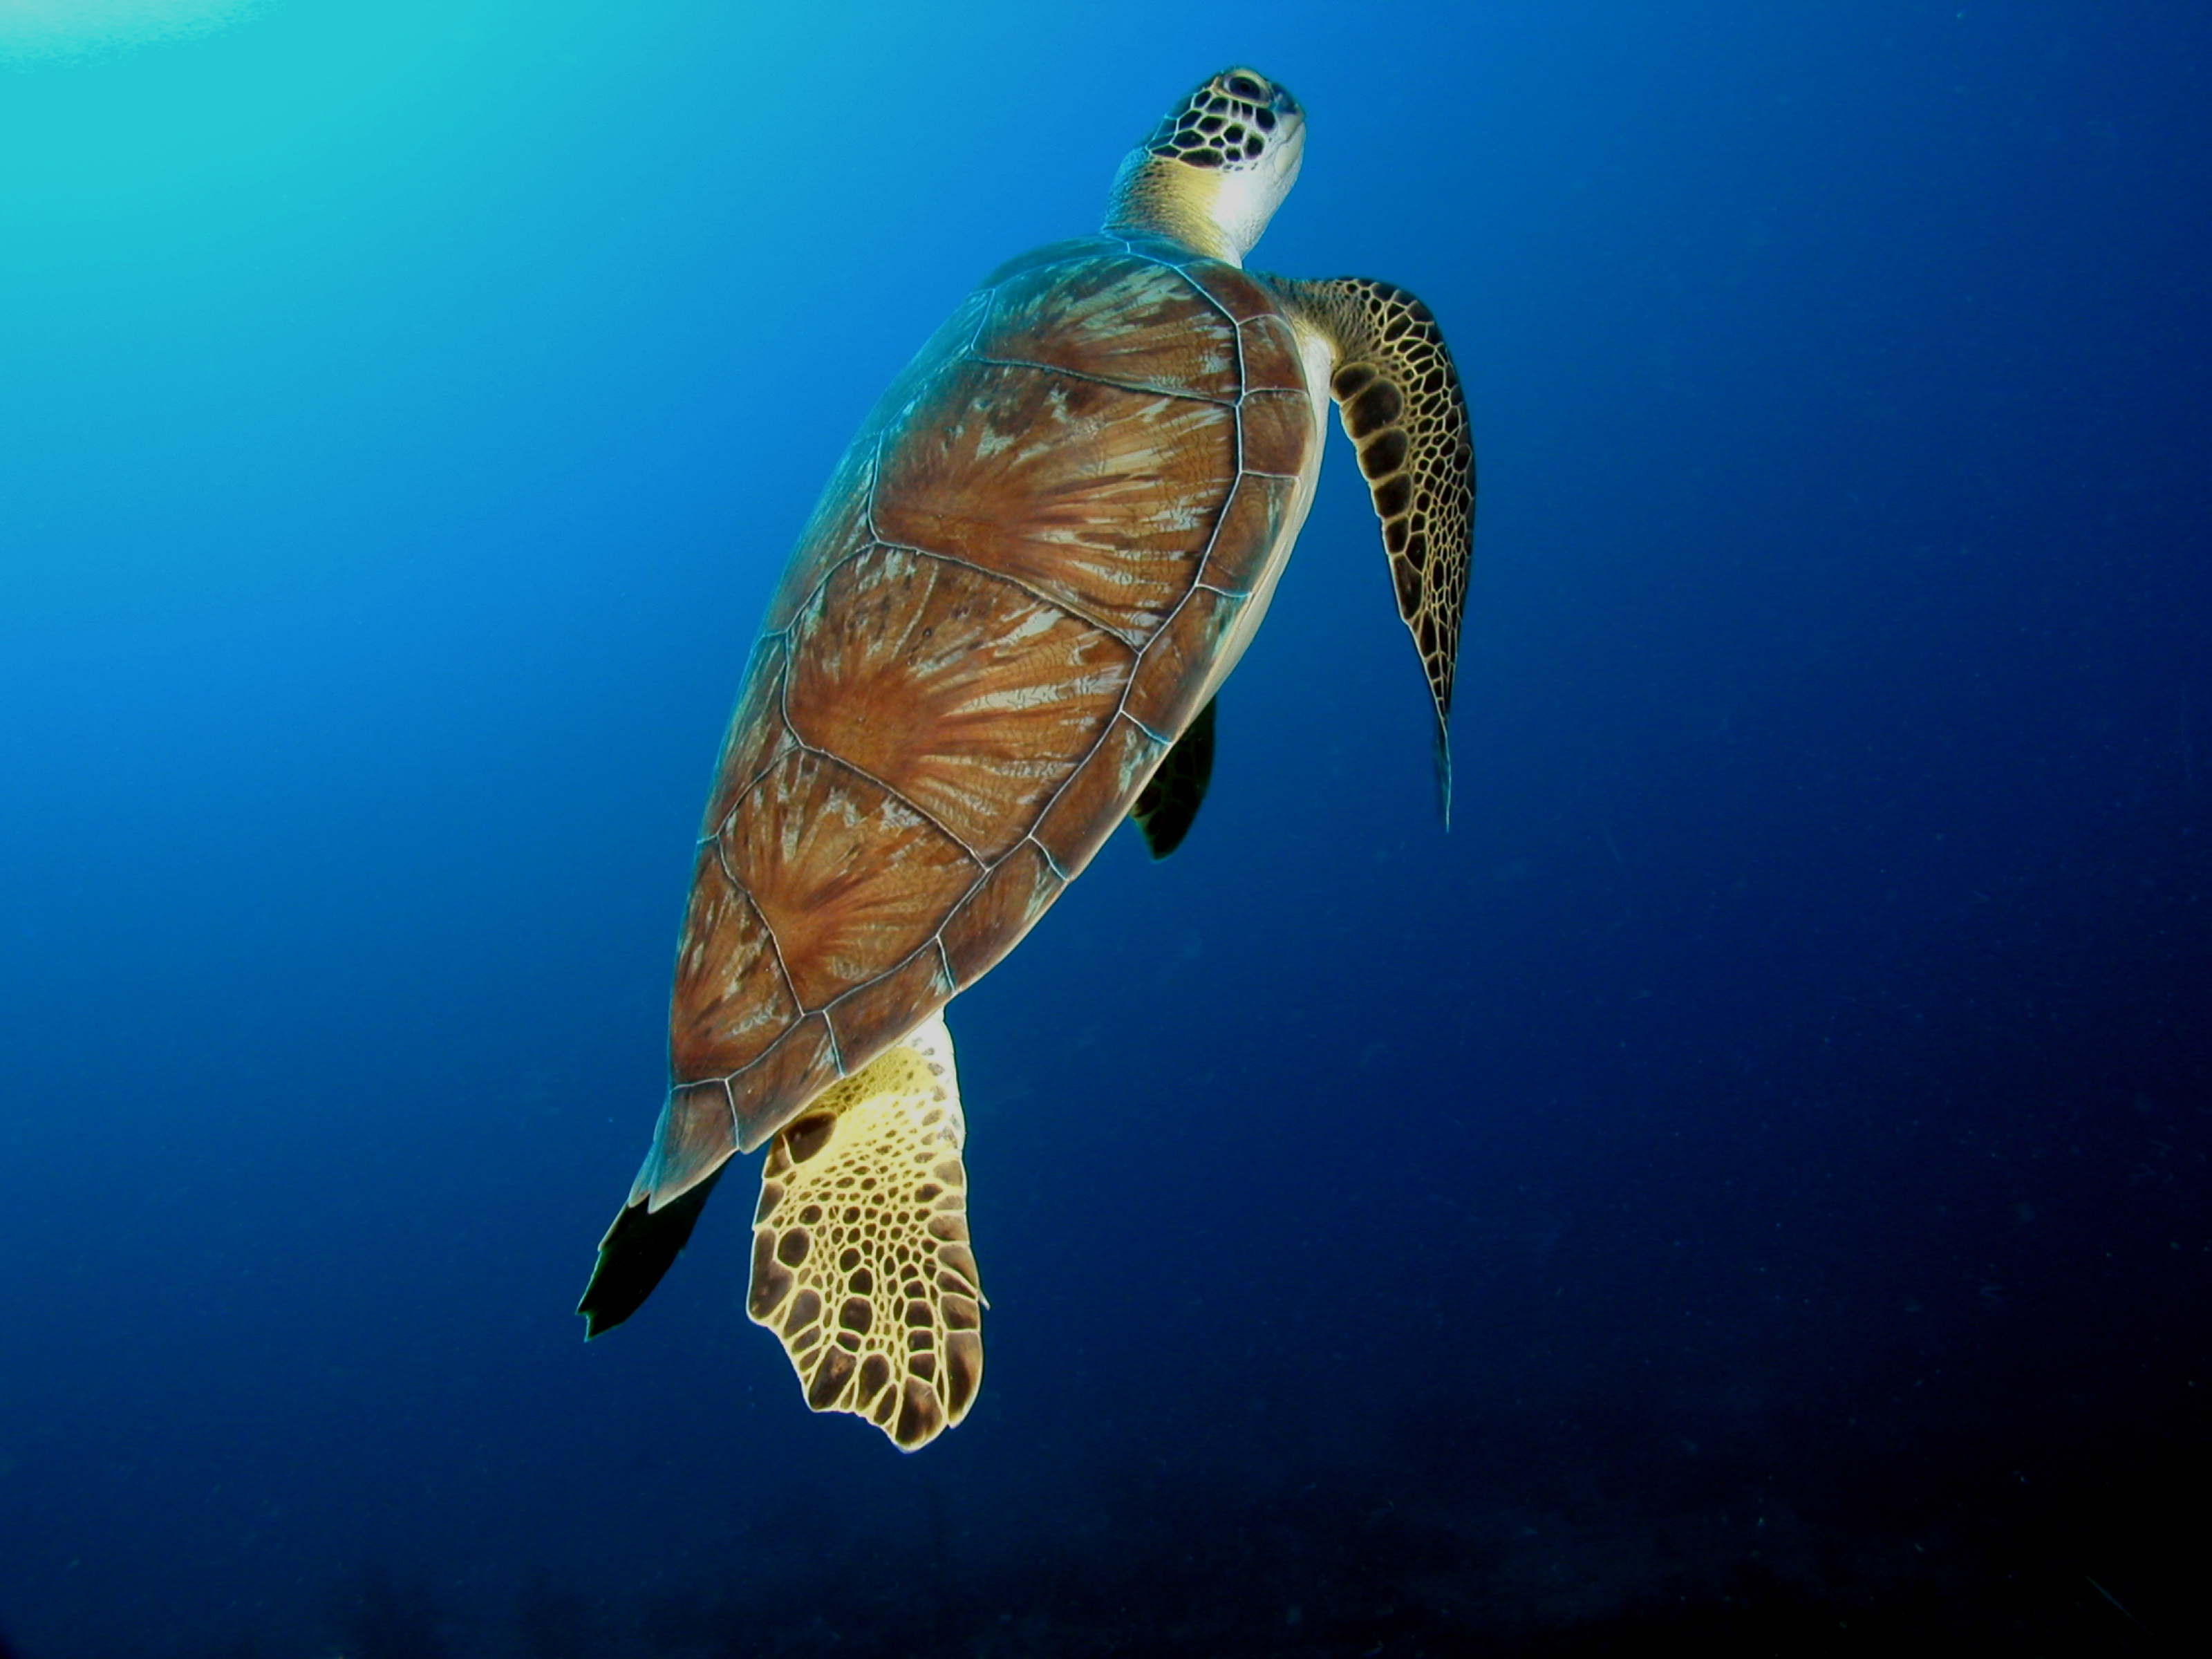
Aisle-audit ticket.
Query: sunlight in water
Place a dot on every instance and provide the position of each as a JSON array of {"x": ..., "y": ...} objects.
[{"x": 34, "y": 31}]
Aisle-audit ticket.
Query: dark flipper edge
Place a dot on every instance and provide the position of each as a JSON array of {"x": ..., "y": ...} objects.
[
  {"x": 1169, "y": 801},
  {"x": 638, "y": 1249}
]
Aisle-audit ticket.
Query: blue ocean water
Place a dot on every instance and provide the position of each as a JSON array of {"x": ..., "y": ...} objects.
[{"x": 1746, "y": 1184}]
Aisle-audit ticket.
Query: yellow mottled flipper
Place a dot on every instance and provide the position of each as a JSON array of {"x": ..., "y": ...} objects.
[
  {"x": 1399, "y": 399},
  {"x": 861, "y": 1258}
]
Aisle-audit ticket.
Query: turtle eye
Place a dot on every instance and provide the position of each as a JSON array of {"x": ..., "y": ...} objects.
[{"x": 1244, "y": 86}]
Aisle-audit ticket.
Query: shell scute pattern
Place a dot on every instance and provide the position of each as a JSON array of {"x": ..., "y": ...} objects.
[{"x": 999, "y": 618}]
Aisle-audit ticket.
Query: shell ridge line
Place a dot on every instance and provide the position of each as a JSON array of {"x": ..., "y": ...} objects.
[
  {"x": 868, "y": 506},
  {"x": 922, "y": 812},
  {"x": 776, "y": 945},
  {"x": 729, "y": 1079},
  {"x": 1183, "y": 271},
  {"x": 1044, "y": 852},
  {"x": 738, "y": 796},
  {"x": 1137, "y": 387},
  {"x": 1121, "y": 712},
  {"x": 814, "y": 594},
  {"x": 828, "y": 1008},
  {"x": 1051, "y": 601}
]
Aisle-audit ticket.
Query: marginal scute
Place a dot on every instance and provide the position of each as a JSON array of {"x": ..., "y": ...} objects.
[
  {"x": 1272, "y": 362},
  {"x": 870, "y": 1017},
  {"x": 1238, "y": 292},
  {"x": 993, "y": 918},
  {"x": 1098, "y": 796},
  {"x": 1249, "y": 526},
  {"x": 731, "y": 999},
  {"x": 756, "y": 734},
  {"x": 879, "y": 1309},
  {"x": 1168, "y": 694},
  {"x": 695, "y": 1137},
  {"x": 768, "y": 1093},
  {"x": 838, "y": 528}
]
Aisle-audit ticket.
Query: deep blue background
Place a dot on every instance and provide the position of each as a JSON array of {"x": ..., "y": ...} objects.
[{"x": 1750, "y": 1176}]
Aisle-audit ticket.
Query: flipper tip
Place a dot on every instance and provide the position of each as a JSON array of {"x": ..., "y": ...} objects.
[{"x": 639, "y": 1248}]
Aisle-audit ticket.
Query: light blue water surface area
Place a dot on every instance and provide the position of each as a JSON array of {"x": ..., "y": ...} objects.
[{"x": 1744, "y": 1188}]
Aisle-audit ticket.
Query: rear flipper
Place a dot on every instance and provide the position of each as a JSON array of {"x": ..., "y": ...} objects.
[{"x": 861, "y": 1258}]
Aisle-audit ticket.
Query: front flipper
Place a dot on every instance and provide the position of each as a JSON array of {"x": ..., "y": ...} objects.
[
  {"x": 861, "y": 1259},
  {"x": 1399, "y": 399},
  {"x": 1171, "y": 797}
]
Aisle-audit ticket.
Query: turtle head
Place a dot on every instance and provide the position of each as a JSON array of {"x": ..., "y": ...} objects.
[{"x": 1216, "y": 167}]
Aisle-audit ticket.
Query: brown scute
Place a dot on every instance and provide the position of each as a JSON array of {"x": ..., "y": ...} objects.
[
  {"x": 1095, "y": 497},
  {"x": 1172, "y": 681},
  {"x": 796, "y": 1068},
  {"x": 956, "y": 1269},
  {"x": 875, "y": 1374},
  {"x": 1278, "y": 432},
  {"x": 1393, "y": 495},
  {"x": 1249, "y": 525},
  {"x": 838, "y": 528},
  {"x": 1097, "y": 799},
  {"x": 993, "y": 918},
  {"x": 1272, "y": 362},
  {"x": 755, "y": 737},
  {"x": 850, "y": 879},
  {"x": 695, "y": 1136},
  {"x": 870, "y": 1017},
  {"x": 731, "y": 1000},
  {"x": 856, "y": 1315},
  {"x": 1239, "y": 293},
  {"x": 809, "y": 1135},
  {"x": 771, "y": 1194},
  {"x": 1117, "y": 318},
  {"x": 965, "y": 693},
  {"x": 961, "y": 1313},
  {"x": 791, "y": 1250}
]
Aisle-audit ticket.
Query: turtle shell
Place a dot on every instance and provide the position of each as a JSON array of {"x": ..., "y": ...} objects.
[{"x": 1005, "y": 609}]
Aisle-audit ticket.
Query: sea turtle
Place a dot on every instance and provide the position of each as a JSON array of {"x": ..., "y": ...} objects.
[{"x": 1001, "y": 633}]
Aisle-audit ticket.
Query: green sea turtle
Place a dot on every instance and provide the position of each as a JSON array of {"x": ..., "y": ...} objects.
[{"x": 1000, "y": 634}]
